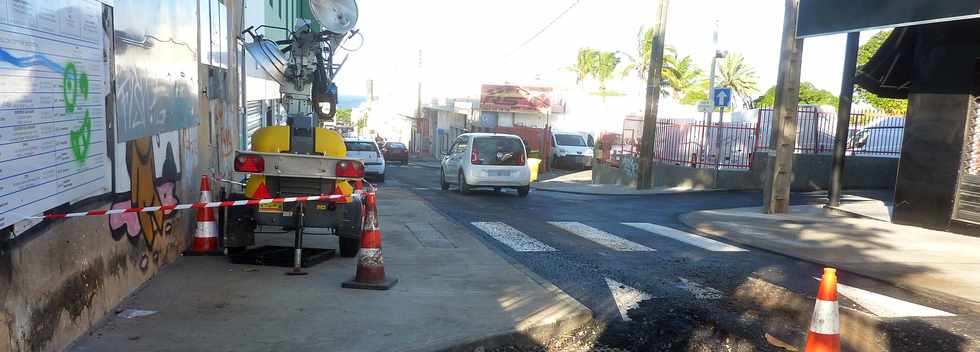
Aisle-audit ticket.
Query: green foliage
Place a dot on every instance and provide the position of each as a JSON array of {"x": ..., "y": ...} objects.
[
  {"x": 585, "y": 64},
  {"x": 605, "y": 66},
  {"x": 696, "y": 93},
  {"x": 809, "y": 94},
  {"x": 738, "y": 75},
  {"x": 865, "y": 52},
  {"x": 679, "y": 74},
  {"x": 599, "y": 65},
  {"x": 343, "y": 116}
]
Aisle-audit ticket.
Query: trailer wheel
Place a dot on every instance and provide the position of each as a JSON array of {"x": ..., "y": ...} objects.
[{"x": 349, "y": 247}]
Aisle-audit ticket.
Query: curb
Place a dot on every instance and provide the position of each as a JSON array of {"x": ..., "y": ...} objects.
[
  {"x": 628, "y": 195},
  {"x": 425, "y": 166}
]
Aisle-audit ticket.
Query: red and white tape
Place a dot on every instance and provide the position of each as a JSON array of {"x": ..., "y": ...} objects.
[{"x": 200, "y": 205}]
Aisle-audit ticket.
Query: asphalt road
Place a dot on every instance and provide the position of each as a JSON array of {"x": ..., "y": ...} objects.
[{"x": 581, "y": 244}]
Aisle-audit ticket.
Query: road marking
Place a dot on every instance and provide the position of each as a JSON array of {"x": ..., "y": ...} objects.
[
  {"x": 421, "y": 188},
  {"x": 512, "y": 237},
  {"x": 685, "y": 237},
  {"x": 601, "y": 237},
  {"x": 887, "y": 307},
  {"x": 699, "y": 291},
  {"x": 626, "y": 297}
]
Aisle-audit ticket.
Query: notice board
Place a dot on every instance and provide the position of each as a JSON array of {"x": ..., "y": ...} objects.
[{"x": 53, "y": 85}]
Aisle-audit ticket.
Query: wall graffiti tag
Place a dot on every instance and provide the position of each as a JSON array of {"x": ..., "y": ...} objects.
[{"x": 52, "y": 107}]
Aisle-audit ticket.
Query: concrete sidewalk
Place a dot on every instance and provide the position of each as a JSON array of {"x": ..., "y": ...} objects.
[
  {"x": 452, "y": 290},
  {"x": 933, "y": 262}
]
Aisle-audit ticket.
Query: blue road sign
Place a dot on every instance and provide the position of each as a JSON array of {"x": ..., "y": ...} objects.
[{"x": 722, "y": 97}]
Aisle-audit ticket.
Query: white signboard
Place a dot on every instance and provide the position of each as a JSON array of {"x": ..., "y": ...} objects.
[{"x": 52, "y": 105}]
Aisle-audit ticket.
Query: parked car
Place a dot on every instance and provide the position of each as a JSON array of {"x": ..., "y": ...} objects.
[
  {"x": 570, "y": 150},
  {"x": 367, "y": 150},
  {"x": 882, "y": 138},
  {"x": 394, "y": 151},
  {"x": 486, "y": 160}
]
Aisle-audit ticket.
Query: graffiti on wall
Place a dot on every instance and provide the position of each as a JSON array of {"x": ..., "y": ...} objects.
[{"x": 151, "y": 175}]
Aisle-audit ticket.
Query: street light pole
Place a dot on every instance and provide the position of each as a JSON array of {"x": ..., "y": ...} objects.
[
  {"x": 644, "y": 176},
  {"x": 711, "y": 77}
]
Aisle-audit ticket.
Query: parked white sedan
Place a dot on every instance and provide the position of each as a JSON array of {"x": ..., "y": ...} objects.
[
  {"x": 486, "y": 160},
  {"x": 368, "y": 151}
]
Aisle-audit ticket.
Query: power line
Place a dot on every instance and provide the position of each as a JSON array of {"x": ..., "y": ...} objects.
[{"x": 543, "y": 29}]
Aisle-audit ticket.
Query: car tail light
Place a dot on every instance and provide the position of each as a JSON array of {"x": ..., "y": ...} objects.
[
  {"x": 475, "y": 157},
  {"x": 521, "y": 159},
  {"x": 351, "y": 169},
  {"x": 249, "y": 163}
]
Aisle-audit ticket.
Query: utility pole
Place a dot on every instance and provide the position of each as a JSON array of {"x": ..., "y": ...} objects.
[
  {"x": 780, "y": 168},
  {"x": 843, "y": 117},
  {"x": 644, "y": 176}
]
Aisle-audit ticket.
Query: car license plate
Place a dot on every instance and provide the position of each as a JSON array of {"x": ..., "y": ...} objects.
[
  {"x": 498, "y": 173},
  {"x": 270, "y": 208}
]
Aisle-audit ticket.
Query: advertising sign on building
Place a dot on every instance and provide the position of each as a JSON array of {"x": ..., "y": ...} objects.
[{"x": 511, "y": 98}]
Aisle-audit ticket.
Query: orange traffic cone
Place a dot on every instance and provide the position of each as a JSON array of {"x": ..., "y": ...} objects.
[
  {"x": 206, "y": 234},
  {"x": 824, "y": 335},
  {"x": 370, "y": 273}
]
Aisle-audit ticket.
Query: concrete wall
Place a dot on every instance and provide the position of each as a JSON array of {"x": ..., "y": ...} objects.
[
  {"x": 59, "y": 277},
  {"x": 811, "y": 172}
]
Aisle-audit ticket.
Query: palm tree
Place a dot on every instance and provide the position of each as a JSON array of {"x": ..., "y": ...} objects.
[
  {"x": 738, "y": 75},
  {"x": 680, "y": 74},
  {"x": 605, "y": 67},
  {"x": 585, "y": 64}
]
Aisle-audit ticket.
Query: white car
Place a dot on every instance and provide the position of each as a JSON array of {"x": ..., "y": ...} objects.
[
  {"x": 570, "y": 150},
  {"x": 367, "y": 150},
  {"x": 486, "y": 160}
]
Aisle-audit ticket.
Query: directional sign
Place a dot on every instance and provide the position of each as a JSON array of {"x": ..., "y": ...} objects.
[{"x": 722, "y": 97}]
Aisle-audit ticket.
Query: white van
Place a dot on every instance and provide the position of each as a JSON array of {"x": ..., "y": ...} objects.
[{"x": 571, "y": 150}]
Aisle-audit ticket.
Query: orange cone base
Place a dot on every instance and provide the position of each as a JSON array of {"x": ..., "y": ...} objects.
[
  {"x": 383, "y": 284},
  {"x": 817, "y": 342},
  {"x": 204, "y": 246}
]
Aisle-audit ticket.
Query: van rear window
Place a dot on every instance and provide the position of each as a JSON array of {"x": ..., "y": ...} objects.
[{"x": 499, "y": 150}]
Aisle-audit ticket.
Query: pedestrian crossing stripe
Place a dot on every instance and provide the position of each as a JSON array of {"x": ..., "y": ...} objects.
[
  {"x": 513, "y": 238},
  {"x": 689, "y": 238},
  {"x": 601, "y": 237}
]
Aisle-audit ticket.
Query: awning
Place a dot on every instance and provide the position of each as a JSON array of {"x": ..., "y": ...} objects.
[{"x": 889, "y": 72}]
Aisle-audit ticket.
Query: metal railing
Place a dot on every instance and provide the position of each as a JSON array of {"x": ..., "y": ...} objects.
[{"x": 695, "y": 144}]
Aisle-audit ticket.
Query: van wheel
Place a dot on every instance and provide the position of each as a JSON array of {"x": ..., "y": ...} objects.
[
  {"x": 522, "y": 191},
  {"x": 349, "y": 247},
  {"x": 442, "y": 180},
  {"x": 463, "y": 187}
]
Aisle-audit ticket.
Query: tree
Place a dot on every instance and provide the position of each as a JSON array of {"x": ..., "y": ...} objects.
[
  {"x": 605, "y": 67},
  {"x": 680, "y": 74},
  {"x": 585, "y": 64},
  {"x": 865, "y": 52},
  {"x": 809, "y": 94},
  {"x": 738, "y": 75},
  {"x": 343, "y": 116}
]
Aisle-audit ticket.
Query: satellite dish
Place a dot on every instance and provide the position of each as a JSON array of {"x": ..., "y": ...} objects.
[
  {"x": 337, "y": 16},
  {"x": 267, "y": 55}
]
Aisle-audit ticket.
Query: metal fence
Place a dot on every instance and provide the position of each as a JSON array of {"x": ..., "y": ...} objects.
[
  {"x": 869, "y": 134},
  {"x": 697, "y": 144},
  {"x": 732, "y": 145}
]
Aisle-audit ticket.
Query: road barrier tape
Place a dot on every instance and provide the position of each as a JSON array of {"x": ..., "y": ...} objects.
[{"x": 199, "y": 205}]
